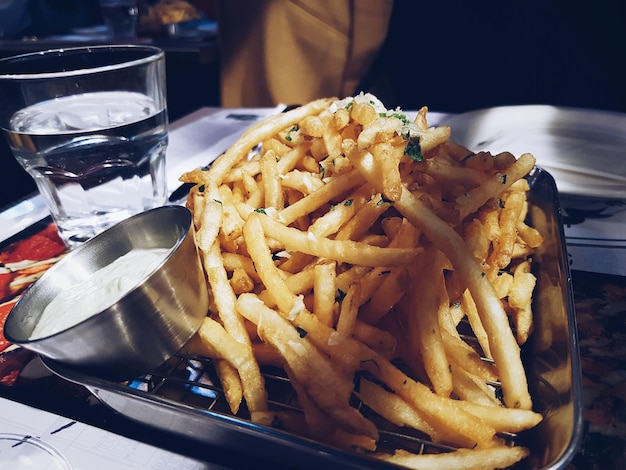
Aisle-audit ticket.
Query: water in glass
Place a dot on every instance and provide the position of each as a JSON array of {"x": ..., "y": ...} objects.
[{"x": 98, "y": 157}]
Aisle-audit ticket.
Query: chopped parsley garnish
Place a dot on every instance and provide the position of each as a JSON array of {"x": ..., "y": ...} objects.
[
  {"x": 288, "y": 137},
  {"x": 348, "y": 203},
  {"x": 383, "y": 200},
  {"x": 405, "y": 120},
  {"x": 414, "y": 150},
  {"x": 322, "y": 170},
  {"x": 260, "y": 210}
]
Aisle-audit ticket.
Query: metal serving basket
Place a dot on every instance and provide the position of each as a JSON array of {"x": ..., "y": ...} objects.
[{"x": 184, "y": 396}]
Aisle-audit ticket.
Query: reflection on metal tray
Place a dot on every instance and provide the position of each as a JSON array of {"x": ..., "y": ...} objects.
[{"x": 184, "y": 396}]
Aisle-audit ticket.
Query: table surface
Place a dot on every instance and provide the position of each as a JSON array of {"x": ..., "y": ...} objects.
[{"x": 600, "y": 300}]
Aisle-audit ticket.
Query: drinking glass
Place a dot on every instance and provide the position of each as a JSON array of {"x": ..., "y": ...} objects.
[
  {"x": 120, "y": 16},
  {"x": 90, "y": 125}
]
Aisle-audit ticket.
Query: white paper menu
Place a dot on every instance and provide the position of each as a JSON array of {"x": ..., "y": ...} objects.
[{"x": 38, "y": 440}]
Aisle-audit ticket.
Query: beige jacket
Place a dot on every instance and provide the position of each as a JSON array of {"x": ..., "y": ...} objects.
[{"x": 294, "y": 51}]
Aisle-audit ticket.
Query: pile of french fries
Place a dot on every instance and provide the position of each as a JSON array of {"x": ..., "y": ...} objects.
[{"x": 353, "y": 250}]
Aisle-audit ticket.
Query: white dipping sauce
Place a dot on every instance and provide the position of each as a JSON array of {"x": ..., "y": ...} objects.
[{"x": 100, "y": 290}]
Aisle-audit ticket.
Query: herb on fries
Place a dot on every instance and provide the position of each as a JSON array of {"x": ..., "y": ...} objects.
[{"x": 355, "y": 250}]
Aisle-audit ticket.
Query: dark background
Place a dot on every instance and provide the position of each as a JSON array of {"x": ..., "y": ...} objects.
[{"x": 456, "y": 56}]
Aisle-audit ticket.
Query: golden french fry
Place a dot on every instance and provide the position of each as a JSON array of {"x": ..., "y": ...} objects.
[
  {"x": 343, "y": 251},
  {"x": 316, "y": 199},
  {"x": 462, "y": 459},
  {"x": 232, "y": 357},
  {"x": 469, "y": 387},
  {"x": 258, "y": 133},
  {"x": 420, "y": 309},
  {"x": 393, "y": 408},
  {"x": 509, "y": 215},
  {"x": 503, "y": 419},
  {"x": 225, "y": 298},
  {"x": 349, "y": 309},
  {"x": 314, "y": 371},
  {"x": 241, "y": 282},
  {"x": 363, "y": 113},
  {"x": 476, "y": 323},
  {"x": 231, "y": 384},
  {"x": 520, "y": 299},
  {"x": 381, "y": 341},
  {"x": 494, "y": 186},
  {"x": 271, "y": 182},
  {"x": 324, "y": 290},
  {"x": 324, "y": 429},
  {"x": 460, "y": 352}
]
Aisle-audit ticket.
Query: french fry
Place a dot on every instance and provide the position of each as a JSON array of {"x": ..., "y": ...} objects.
[
  {"x": 520, "y": 299},
  {"x": 343, "y": 251},
  {"x": 314, "y": 371},
  {"x": 225, "y": 298},
  {"x": 503, "y": 419},
  {"x": 509, "y": 215},
  {"x": 271, "y": 182},
  {"x": 349, "y": 310},
  {"x": 394, "y": 408},
  {"x": 469, "y": 387},
  {"x": 420, "y": 308},
  {"x": 474, "y": 198},
  {"x": 257, "y": 133},
  {"x": 462, "y": 459},
  {"x": 215, "y": 337},
  {"x": 324, "y": 290}
]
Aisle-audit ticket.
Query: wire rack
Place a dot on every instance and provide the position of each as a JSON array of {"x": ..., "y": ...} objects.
[{"x": 193, "y": 382}]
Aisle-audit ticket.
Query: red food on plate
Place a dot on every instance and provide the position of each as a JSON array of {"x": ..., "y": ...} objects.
[
  {"x": 5, "y": 308},
  {"x": 42, "y": 245},
  {"x": 20, "y": 262}
]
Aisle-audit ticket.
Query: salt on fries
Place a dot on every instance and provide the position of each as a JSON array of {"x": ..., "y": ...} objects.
[{"x": 352, "y": 250}]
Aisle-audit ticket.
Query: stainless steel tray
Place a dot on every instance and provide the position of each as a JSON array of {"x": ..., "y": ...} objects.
[{"x": 184, "y": 396}]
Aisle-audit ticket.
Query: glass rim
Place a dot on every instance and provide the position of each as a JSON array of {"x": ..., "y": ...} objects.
[{"x": 154, "y": 54}]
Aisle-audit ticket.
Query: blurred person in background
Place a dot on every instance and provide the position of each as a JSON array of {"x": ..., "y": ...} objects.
[{"x": 294, "y": 51}]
